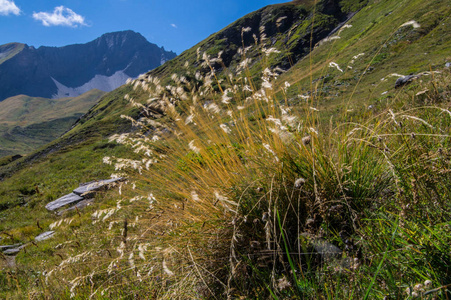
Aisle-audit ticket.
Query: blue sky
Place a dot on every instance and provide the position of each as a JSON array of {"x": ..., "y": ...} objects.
[{"x": 175, "y": 24}]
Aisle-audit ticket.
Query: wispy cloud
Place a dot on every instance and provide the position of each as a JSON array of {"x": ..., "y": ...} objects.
[
  {"x": 61, "y": 16},
  {"x": 173, "y": 25},
  {"x": 8, "y": 7}
]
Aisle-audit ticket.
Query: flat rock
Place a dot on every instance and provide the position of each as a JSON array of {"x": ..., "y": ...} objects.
[
  {"x": 44, "y": 236},
  {"x": 68, "y": 199},
  {"x": 5, "y": 247},
  {"x": 80, "y": 205},
  {"x": 13, "y": 251},
  {"x": 95, "y": 185}
]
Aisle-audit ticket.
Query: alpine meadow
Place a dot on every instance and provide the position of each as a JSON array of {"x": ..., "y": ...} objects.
[{"x": 302, "y": 152}]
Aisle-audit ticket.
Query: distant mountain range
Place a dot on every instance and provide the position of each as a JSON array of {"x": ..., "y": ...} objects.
[{"x": 56, "y": 72}]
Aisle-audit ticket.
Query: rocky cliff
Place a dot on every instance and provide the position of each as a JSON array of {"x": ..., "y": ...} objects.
[{"x": 56, "y": 72}]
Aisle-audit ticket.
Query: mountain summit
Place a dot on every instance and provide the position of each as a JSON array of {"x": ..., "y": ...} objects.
[{"x": 55, "y": 72}]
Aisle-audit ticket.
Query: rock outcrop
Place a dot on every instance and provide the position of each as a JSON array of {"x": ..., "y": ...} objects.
[
  {"x": 56, "y": 72},
  {"x": 83, "y": 192}
]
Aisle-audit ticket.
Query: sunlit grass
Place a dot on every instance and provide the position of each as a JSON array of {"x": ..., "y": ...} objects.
[{"x": 238, "y": 189}]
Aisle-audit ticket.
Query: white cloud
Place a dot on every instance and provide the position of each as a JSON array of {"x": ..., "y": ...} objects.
[
  {"x": 61, "y": 16},
  {"x": 173, "y": 25},
  {"x": 8, "y": 7}
]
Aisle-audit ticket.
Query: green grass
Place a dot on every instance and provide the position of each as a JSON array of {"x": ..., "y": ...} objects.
[
  {"x": 225, "y": 214},
  {"x": 13, "y": 49},
  {"x": 28, "y": 123}
]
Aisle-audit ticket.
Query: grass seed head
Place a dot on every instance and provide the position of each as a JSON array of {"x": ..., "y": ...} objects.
[
  {"x": 299, "y": 183},
  {"x": 306, "y": 140}
]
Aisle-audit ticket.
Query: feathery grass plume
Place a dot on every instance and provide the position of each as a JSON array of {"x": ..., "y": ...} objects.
[
  {"x": 225, "y": 128},
  {"x": 412, "y": 23},
  {"x": 279, "y": 21},
  {"x": 335, "y": 65}
]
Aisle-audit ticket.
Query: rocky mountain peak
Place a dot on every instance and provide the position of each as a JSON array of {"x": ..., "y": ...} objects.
[
  {"x": 120, "y": 38},
  {"x": 55, "y": 72}
]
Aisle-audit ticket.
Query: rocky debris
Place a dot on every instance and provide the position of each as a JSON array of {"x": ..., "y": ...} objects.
[
  {"x": 81, "y": 193},
  {"x": 44, "y": 236},
  {"x": 79, "y": 205},
  {"x": 404, "y": 80},
  {"x": 14, "y": 251},
  {"x": 5, "y": 247},
  {"x": 11, "y": 250},
  {"x": 60, "y": 202},
  {"x": 94, "y": 186}
]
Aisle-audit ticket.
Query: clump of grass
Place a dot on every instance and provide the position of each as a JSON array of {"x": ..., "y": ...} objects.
[
  {"x": 237, "y": 193},
  {"x": 226, "y": 205}
]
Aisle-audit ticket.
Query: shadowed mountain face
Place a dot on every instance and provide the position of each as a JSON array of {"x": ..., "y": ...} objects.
[{"x": 56, "y": 72}]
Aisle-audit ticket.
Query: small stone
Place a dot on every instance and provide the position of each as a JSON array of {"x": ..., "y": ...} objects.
[
  {"x": 404, "y": 80},
  {"x": 44, "y": 236}
]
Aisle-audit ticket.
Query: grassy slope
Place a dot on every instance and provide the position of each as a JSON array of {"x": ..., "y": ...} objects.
[
  {"x": 229, "y": 40},
  {"x": 13, "y": 49},
  {"x": 76, "y": 157},
  {"x": 69, "y": 160},
  {"x": 27, "y": 123},
  {"x": 60, "y": 158},
  {"x": 387, "y": 47}
]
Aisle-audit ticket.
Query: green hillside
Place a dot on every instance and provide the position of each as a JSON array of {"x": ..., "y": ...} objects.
[
  {"x": 275, "y": 159},
  {"x": 9, "y": 50},
  {"x": 27, "y": 123}
]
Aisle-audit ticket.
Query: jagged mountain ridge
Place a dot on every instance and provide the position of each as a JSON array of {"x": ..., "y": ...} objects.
[{"x": 56, "y": 72}]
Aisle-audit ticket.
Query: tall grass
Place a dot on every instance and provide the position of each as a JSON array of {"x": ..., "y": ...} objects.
[{"x": 240, "y": 195}]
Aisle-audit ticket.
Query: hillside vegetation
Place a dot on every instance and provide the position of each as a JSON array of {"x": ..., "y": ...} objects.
[
  {"x": 28, "y": 123},
  {"x": 275, "y": 159}
]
